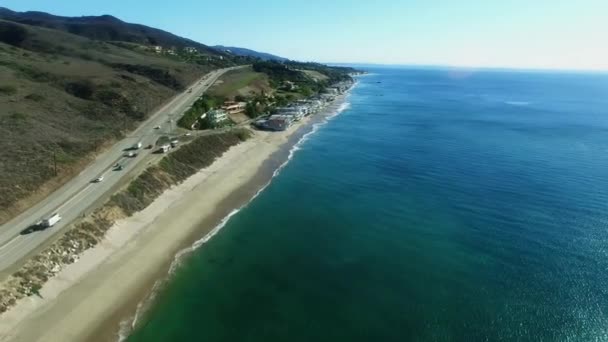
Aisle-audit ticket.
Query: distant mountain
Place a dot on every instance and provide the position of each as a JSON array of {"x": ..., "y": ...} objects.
[
  {"x": 104, "y": 28},
  {"x": 249, "y": 53}
]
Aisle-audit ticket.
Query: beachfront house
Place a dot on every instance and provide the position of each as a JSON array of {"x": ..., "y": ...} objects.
[
  {"x": 328, "y": 97},
  {"x": 276, "y": 122},
  {"x": 331, "y": 91},
  {"x": 297, "y": 112}
]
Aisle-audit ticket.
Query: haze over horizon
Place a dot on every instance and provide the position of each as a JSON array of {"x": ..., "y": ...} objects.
[{"x": 519, "y": 34}]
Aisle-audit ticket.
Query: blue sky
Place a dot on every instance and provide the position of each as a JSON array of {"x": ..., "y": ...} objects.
[{"x": 557, "y": 34}]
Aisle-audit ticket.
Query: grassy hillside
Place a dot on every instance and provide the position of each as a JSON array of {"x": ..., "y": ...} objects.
[
  {"x": 63, "y": 96},
  {"x": 244, "y": 82}
]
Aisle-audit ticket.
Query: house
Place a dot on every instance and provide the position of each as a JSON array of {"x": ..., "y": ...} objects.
[
  {"x": 289, "y": 86},
  {"x": 217, "y": 116},
  {"x": 328, "y": 97},
  {"x": 331, "y": 91},
  {"x": 233, "y": 107},
  {"x": 190, "y": 49},
  {"x": 157, "y": 49},
  {"x": 296, "y": 112},
  {"x": 278, "y": 122}
]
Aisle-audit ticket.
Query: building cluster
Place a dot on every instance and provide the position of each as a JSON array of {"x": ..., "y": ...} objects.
[
  {"x": 286, "y": 116},
  {"x": 172, "y": 50},
  {"x": 283, "y": 117},
  {"x": 219, "y": 116}
]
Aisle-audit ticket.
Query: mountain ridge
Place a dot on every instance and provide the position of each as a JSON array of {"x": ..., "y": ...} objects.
[
  {"x": 240, "y": 51},
  {"x": 105, "y": 28}
]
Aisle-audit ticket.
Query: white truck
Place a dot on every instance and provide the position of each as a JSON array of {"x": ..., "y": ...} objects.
[
  {"x": 50, "y": 221},
  {"x": 164, "y": 148},
  {"x": 137, "y": 146}
]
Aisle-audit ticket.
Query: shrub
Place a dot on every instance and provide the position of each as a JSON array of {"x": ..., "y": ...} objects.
[
  {"x": 83, "y": 89},
  {"x": 155, "y": 74},
  {"x": 12, "y": 34},
  {"x": 243, "y": 134},
  {"x": 8, "y": 90},
  {"x": 34, "y": 97}
]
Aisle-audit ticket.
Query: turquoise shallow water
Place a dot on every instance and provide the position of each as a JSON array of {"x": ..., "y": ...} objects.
[{"x": 441, "y": 206}]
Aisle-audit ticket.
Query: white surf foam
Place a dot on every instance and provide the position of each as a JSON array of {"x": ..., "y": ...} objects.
[{"x": 517, "y": 103}]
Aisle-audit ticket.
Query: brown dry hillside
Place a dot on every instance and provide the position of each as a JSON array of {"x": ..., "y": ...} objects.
[{"x": 64, "y": 96}]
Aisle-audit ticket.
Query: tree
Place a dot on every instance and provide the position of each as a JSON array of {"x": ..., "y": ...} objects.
[{"x": 251, "y": 109}]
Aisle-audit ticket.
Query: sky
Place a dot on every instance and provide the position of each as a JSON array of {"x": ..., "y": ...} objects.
[{"x": 547, "y": 34}]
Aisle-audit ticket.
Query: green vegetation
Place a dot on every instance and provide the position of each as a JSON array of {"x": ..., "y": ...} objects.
[
  {"x": 297, "y": 80},
  {"x": 200, "y": 106}
]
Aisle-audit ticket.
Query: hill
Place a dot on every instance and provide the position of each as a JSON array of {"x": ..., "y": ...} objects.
[
  {"x": 64, "y": 96},
  {"x": 71, "y": 86},
  {"x": 249, "y": 53},
  {"x": 105, "y": 28}
]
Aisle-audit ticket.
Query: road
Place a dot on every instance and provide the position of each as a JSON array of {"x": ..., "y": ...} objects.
[{"x": 80, "y": 194}]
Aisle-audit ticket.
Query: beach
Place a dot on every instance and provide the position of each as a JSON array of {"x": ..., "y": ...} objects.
[{"x": 87, "y": 300}]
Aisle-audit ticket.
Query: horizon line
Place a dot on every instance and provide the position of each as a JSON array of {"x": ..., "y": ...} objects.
[{"x": 469, "y": 67}]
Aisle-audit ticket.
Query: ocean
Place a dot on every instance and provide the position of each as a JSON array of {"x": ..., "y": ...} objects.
[{"x": 441, "y": 205}]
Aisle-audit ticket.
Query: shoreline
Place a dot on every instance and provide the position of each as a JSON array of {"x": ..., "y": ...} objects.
[{"x": 84, "y": 303}]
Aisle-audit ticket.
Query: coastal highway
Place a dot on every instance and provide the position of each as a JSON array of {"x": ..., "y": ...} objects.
[{"x": 80, "y": 194}]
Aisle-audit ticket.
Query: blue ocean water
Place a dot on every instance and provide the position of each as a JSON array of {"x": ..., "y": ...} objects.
[{"x": 443, "y": 205}]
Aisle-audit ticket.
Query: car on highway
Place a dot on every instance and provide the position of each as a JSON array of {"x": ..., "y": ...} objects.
[
  {"x": 118, "y": 167},
  {"x": 131, "y": 154},
  {"x": 149, "y": 147},
  {"x": 156, "y": 127},
  {"x": 98, "y": 179}
]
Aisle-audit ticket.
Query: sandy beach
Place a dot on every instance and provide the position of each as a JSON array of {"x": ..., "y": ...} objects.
[{"x": 87, "y": 300}]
